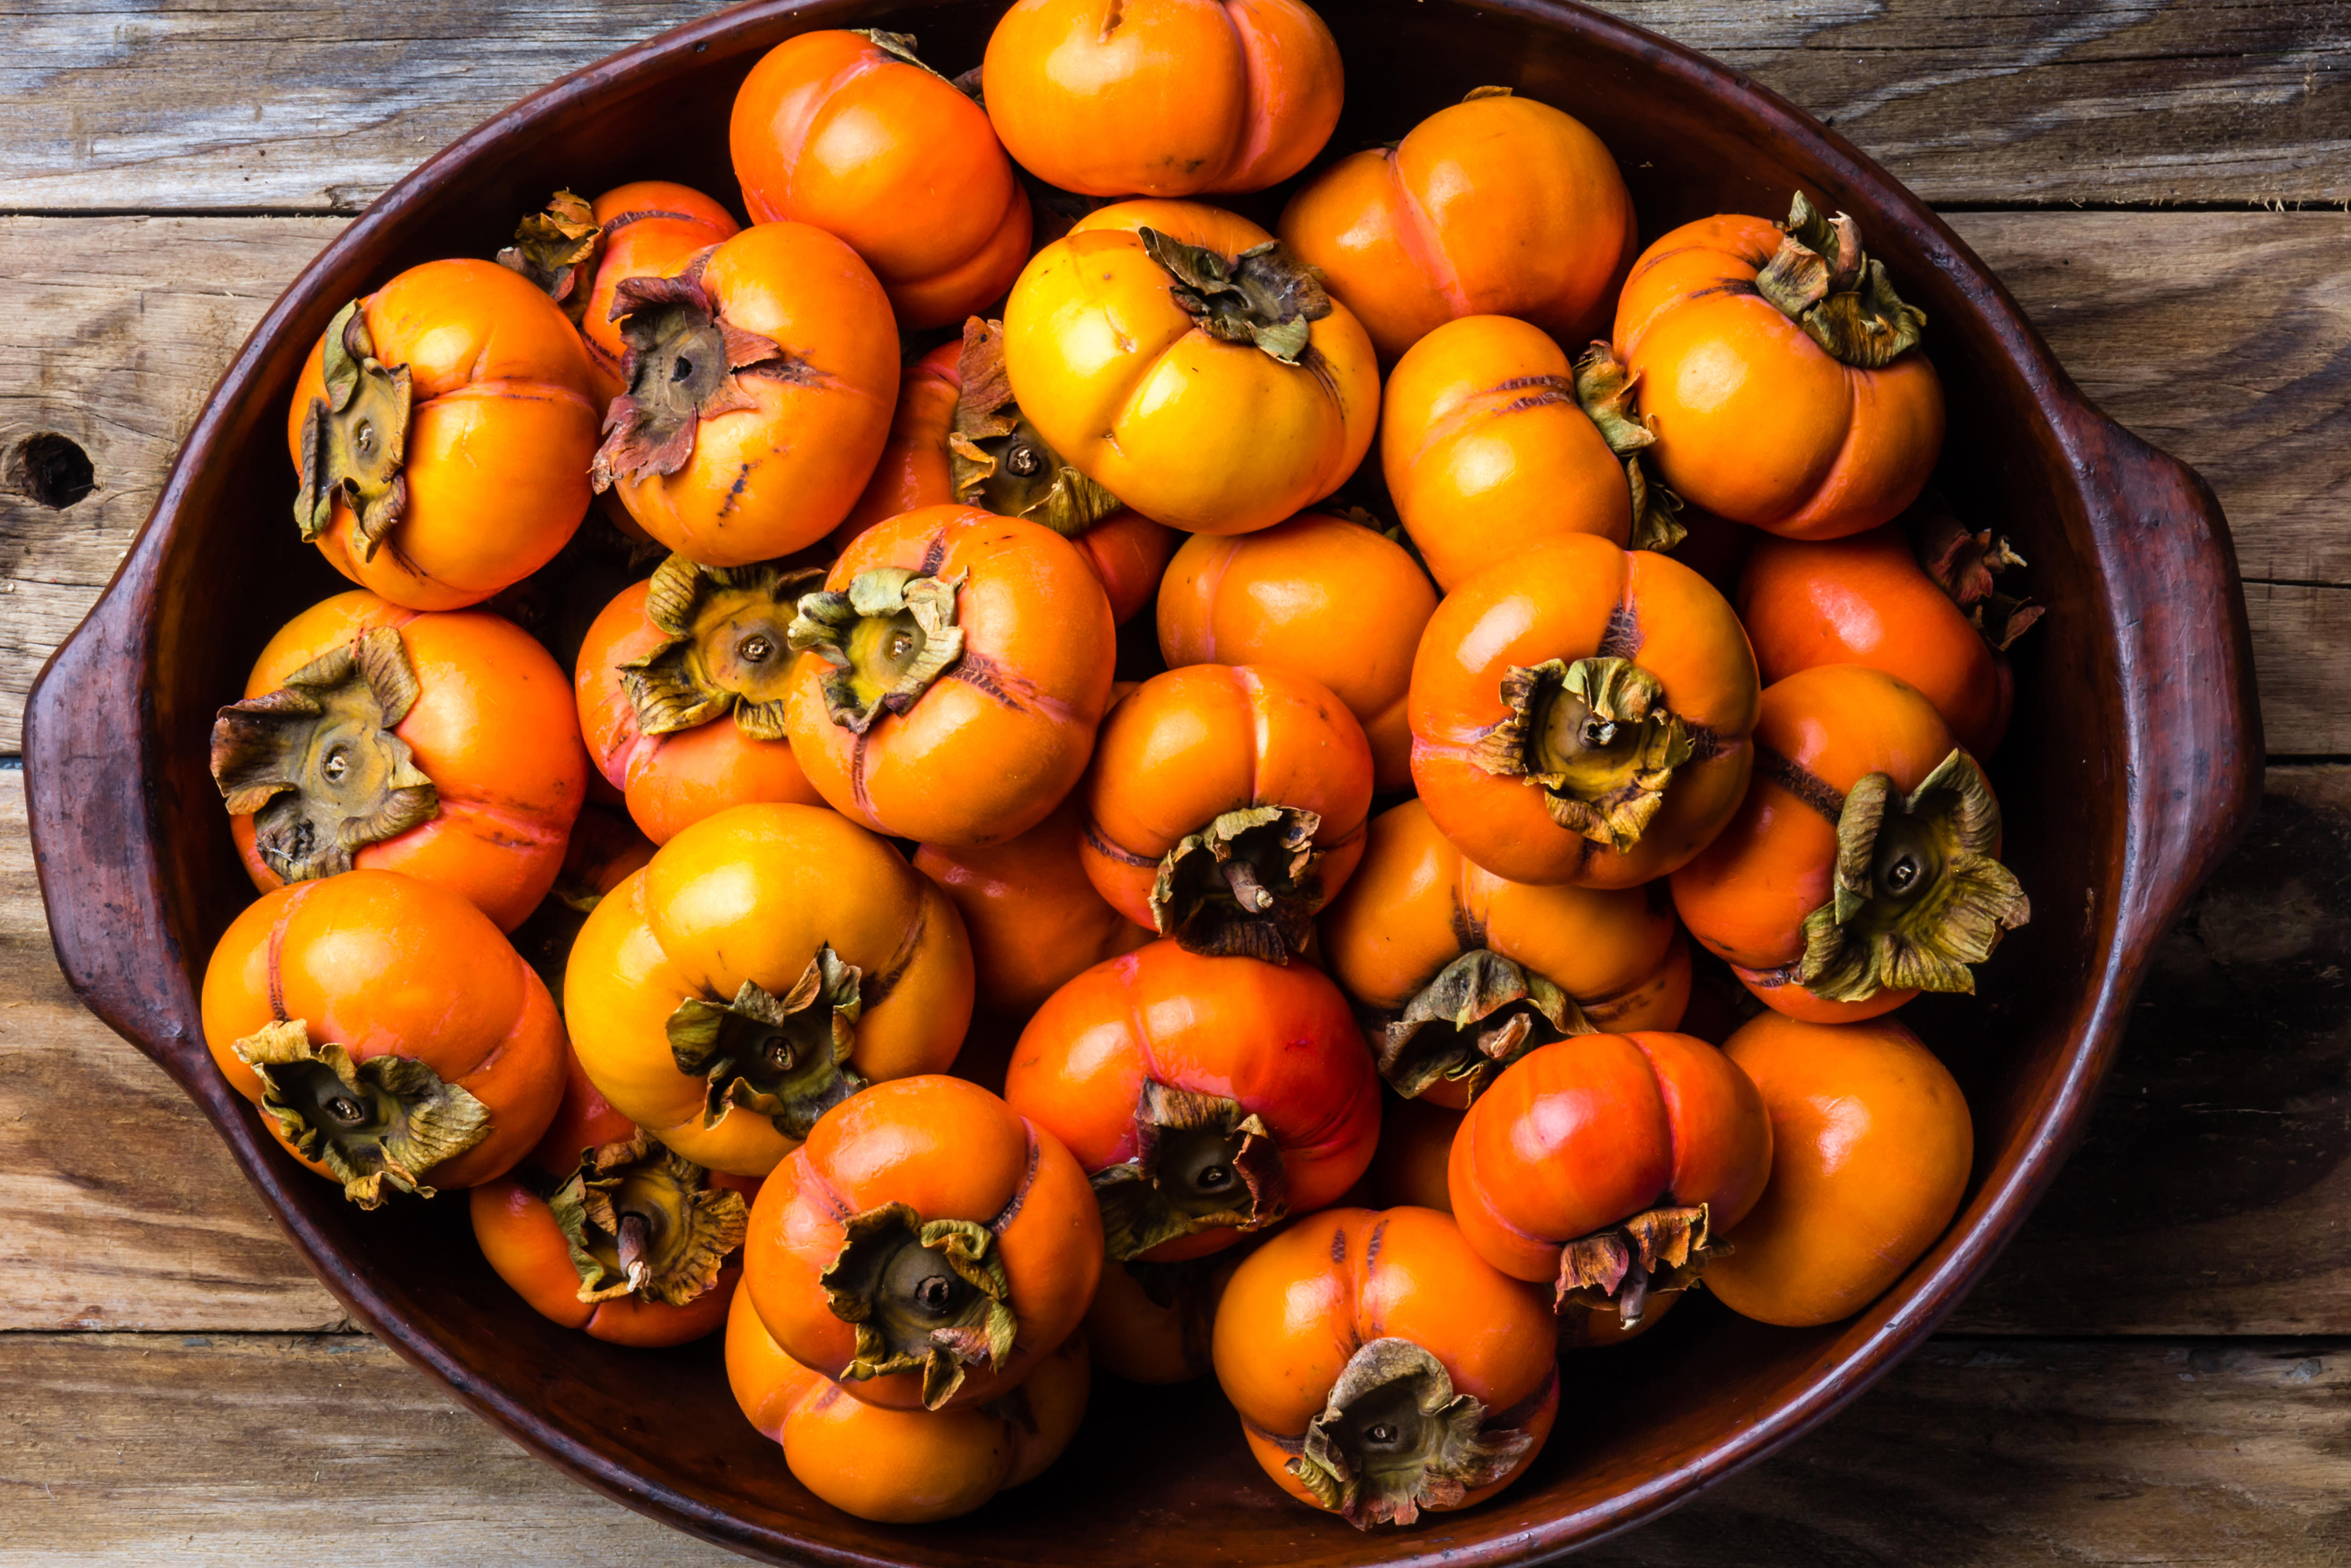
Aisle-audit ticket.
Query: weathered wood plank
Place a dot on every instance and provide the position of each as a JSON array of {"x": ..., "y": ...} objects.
[
  {"x": 146, "y": 1450},
  {"x": 125, "y": 106}
]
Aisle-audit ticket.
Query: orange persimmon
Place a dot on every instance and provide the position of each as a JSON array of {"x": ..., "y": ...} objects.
[
  {"x": 1603, "y": 1164},
  {"x": 1162, "y": 98},
  {"x": 765, "y": 965},
  {"x": 952, "y": 672},
  {"x": 439, "y": 745},
  {"x": 1226, "y": 806},
  {"x": 1321, "y": 596},
  {"x": 1780, "y": 374},
  {"x": 1382, "y": 1368},
  {"x": 850, "y": 131},
  {"x": 1153, "y": 1322},
  {"x": 925, "y": 1247},
  {"x": 1862, "y": 867},
  {"x": 1206, "y": 1097},
  {"x": 1462, "y": 972},
  {"x": 1580, "y": 713},
  {"x": 387, "y": 1031},
  {"x": 441, "y": 428},
  {"x": 1498, "y": 205}
]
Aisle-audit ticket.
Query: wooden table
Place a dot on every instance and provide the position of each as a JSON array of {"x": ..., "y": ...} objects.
[{"x": 2157, "y": 1371}]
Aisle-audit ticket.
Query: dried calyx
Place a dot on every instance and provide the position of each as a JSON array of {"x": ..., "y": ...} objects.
[
  {"x": 355, "y": 438},
  {"x": 785, "y": 1058},
  {"x": 1263, "y": 297},
  {"x": 1605, "y": 389},
  {"x": 1393, "y": 1438},
  {"x": 317, "y": 764},
  {"x": 1481, "y": 1014},
  {"x": 998, "y": 460},
  {"x": 389, "y": 1119},
  {"x": 886, "y": 640},
  {"x": 926, "y": 1296},
  {"x": 684, "y": 363},
  {"x": 1245, "y": 885},
  {"x": 640, "y": 1219},
  {"x": 729, "y": 647},
  {"x": 1619, "y": 1268},
  {"x": 557, "y": 249},
  {"x": 1917, "y": 896},
  {"x": 1966, "y": 564},
  {"x": 1597, "y": 736},
  {"x": 1821, "y": 281},
  {"x": 1200, "y": 1163}
]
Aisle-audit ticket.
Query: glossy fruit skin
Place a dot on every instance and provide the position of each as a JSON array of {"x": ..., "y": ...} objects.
[
  {"x": 1871, "y": 1149},
  {"x": 670, "y": 782},
  {"x": 390, "y": 966},
  {"x": 749, "y": 894},
  {"x": 951, "y": 1151},
  {"x": 1198, "y": 433},
  {"x": 1034, "y": 918},
  {"x": 1190, "y": 744},
  {"x": 502, "y": 424},
  {"x": 1570, "y": 597},
  {"x": 832, "y": 129},
  {"x": 1417, "y": 902},
  {"x": 1746, "y": 897},
  {"x": 1585, "y": 1132},
  {"x": 525, "y": 1247},
  {"x": 1862, "y": 600},
  {"x": 1319, "y": 595},
  {"x": 1278, "y": 1039},
  {"x": 1309, "y": 1298},
  {"x": 490, "y": 726},
  {"x": 1498, "y": 207},
  {"x": 1486, "y": 452},
  {"x": 902, "y": 1467},
  {"x": 995, "y": 744},
  {"x": 651, "y": 227},
  {"x": 1162, "y": 98},
  {"x": 1755, "y": 421},
  {"x": 767, "y": 480}
]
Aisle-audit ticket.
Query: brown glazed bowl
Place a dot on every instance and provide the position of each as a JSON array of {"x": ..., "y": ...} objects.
[{"x": 2131, "y": 769}]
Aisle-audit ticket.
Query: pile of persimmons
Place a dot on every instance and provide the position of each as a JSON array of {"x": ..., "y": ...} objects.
[{"x": 1374, "y": 889}]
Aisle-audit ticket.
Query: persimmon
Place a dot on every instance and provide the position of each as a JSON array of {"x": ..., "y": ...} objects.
[
  {"x": 1162, "y": 98},
  {"x": 1206, "y": 1097},
  {"x": 1179, "y": 357},
  {"x": 1871, "y": 1147},
  {"x": 1034, "y": 917},
  {"x": 851, "y": 133},
  {"x": 1580, "y": 714},
  {"x": 389, "y": 1035},
  {"x": 1226, "y": 807},
  {"x": 1491, "y": 441},
  {"x": 761, "y": 376},
  {"x": 1499, "y": 206},
  {"x": 1462, "y": 972},
  {"x": 439, "y": 745},
  {"x": 681, "y": 691},
  {"x": 441, "y": 427},
  {"x": 1781, "y": 374},
  {"x": 1382, "y": 1368},
  {"x": 958, "y": 436},
  {"x": 927, "y": 1247},
  {"x": 1321, "y": 596},
  {"x": 955, "y": 668},
  {"x": 1863, "y": 867},
  {"x": 765, "y": 965},
  {"x": 902, "y": 1467},
  {"x": 1604, "y": 1165},
  {"x": 1152, "y": 1322}
]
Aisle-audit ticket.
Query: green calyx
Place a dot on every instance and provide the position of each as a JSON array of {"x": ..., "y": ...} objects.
[
  {"x": 1620, "y": 1267},
  {"x": 390, "y": 1119},
  {"x": 355, "y": 438},
  {"x": 1200, "y": 1163},
  {"x": 1821, "y": 281},
  {"x": 1263, "y": 297},
  {"x": 1245, "y": 885},
  {"x": 1605, "y": 389},
  {"x": 1393, "y": 1438},
  {"x": 1597, "y": 736},
  {"x": 927, "y": 1296},
  {"x": 1917, "y": 898},
  {"x": 642, "y": 1220},
  {"x": 556, "y": 250},
  {"x": 729, "y": 647},
  {"x": 887, "y": 639},
  {"x": 998, "y": 460},
  {"x": 783, "y": 1058},
  {"x": 1481, "y": 1014},
  {"x": 317, "y": 762}
]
